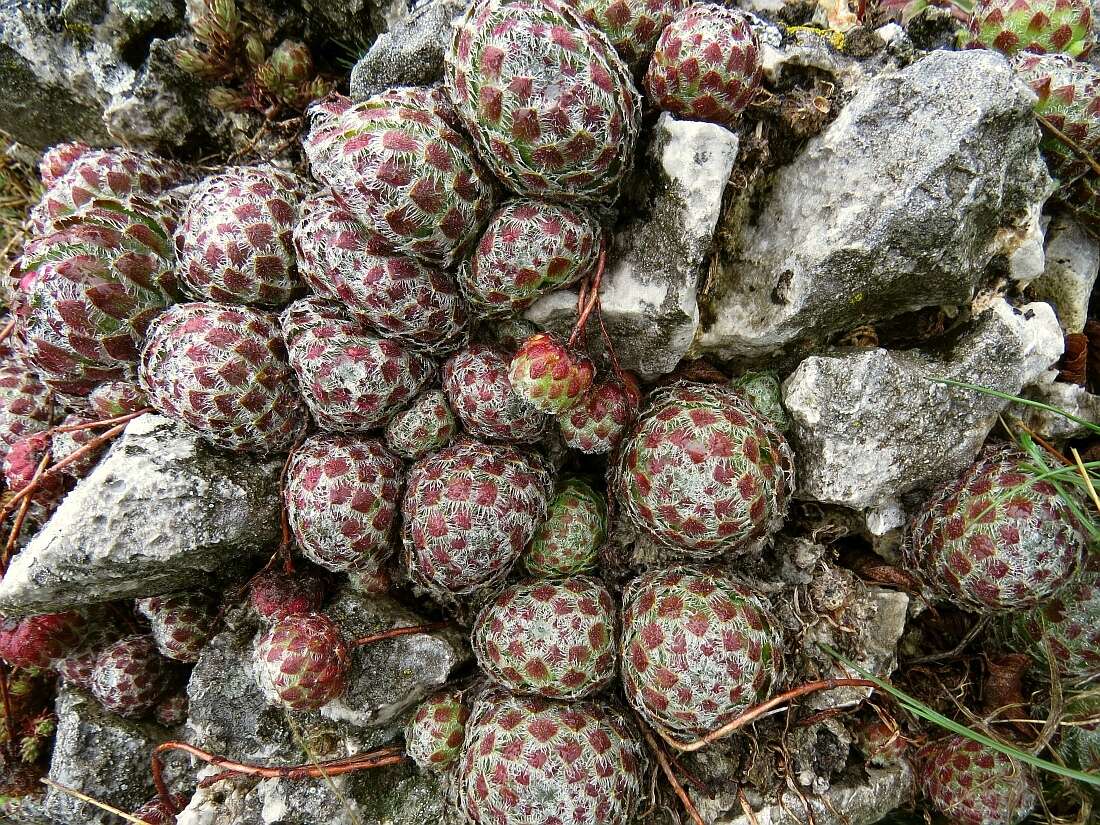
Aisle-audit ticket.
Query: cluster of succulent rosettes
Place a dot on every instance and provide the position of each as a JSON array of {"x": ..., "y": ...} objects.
[
  {"x": 996, "y": 538},
  {"x": 129, "y": 676},
  {"x": 223, "y": 371},
  {"x": 181, "y": 624},
  {"x": 632, "y": 26},
  {"x": 275, "y": 594},
  {"x": 550, "y": 105},
  {"x": 235, "y": 238},
  {"x": 1038, "y": 26},
  {"x": 763, "y": 391},
  {"x": 1069, "y": 622},
  {"x": 469, "y": 510},
  {"x": 423, "y": 427},
  {"x": 112, "y": 175},
  {"x": 529, "y": 249},
  {"x": 703, "y": 472},
  {"x": 1068, "y": 93},
  {"x": 351, "y": 380},
  {"x": 342, "y": 498},
  {"x": 394, "y": 295},
  {"x": 973, "y": 784},
  {"x": 529, "y": 760},
  {"x": 25, "y": 406},
  {"x": 434, "y": 734},
  {"x": 548, "y": 375},
  {"x": 595, "y": 425},
  {"x": 553, "y": 638},
  {"x": 36, "y": 641},
  {"x": 412, "y": 180},
  {"x": 302, "y": 662},
  {"x": 567, "y": 543},
  {"x": 697, "y": 649},
  {"x": 706, "y": 65},
  {"x": 88, "y": 291},
  {"x": 480, "y": 393}
]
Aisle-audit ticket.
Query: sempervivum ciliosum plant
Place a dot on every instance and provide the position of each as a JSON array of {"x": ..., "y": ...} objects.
[
  {"x": 158, "y": 812},
  {"x": 477, "y": 386},
  {"x": 103, "y": 174},
  {"x": 25, "y": 406},
  {"x": 568, "y": 542},
  {"x": 275, "y": 595},
  {"x": 551, "y": 106},
  {"x": 529, "y": 248},
  {"x": 1068, "y": 94},
  {"x": 762, "y": 390},
  {"x": 1069, "y": 622},
  {"x": 632, "y": 26},
  {"x": 222, "y": 371},
  {"x": 181, "y": 624},
  {"x": 706, "y": 65},
  {"x": 57, "y": 160},
  {"x": 235, "y": 241},
  {"x": 973, "y": 784},
  {"x": 996, "y": 538},
  {"x": 595, "y": 425},
  {"x": 528, "y": 760},
  {"x": 548, "y": 375},
  {"x": 35, "y": 641},
  {"x": 553, "y": 638},
  {"x": 1040, "y": 26},
  {"x": 114, "y": 398},
  {"x": 129, "y": 676},
  {"x": 698, "y": 648},
  {"x": 351, "y": 380},
  {"x": 425, "y": 426},
  {"x": 302, "y": 662},
  {"x": 469, "y": 510},
  {"x": 394, "y": 295},
  {"x": 433, "y": 737},
  {"x": 411, "y": 179},
  {"x": 342, "y": 495},
  {"x": 88, "y": 292},
  {"x": 703, "y": 472}
]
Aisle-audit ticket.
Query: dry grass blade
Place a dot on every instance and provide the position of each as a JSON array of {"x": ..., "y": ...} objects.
[
  {"x": 1087, "y": 478},
  {"x": 83, "y": 797}
]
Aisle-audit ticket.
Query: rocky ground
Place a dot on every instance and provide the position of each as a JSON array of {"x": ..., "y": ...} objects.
[{"x": 806, "y": 283}]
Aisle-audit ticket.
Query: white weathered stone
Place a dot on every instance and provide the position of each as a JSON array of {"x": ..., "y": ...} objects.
[
  {"x": 1071, "y": 398},
  {"x": 902, "y": 203},
  {"x": 1072, "y": 263},
  {"x": 871, "y": 425},
  {"x": 658, "y": 259}
]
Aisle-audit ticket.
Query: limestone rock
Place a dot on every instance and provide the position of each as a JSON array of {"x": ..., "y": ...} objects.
[
  {"x": 161, "y": 512},
  {"x": 902, "y": 203},
  {"x": 1072, "y": 263},
  {"x": 873, "y": 424},
  {"x": 658, "y": 259},
  {"x": 1072, "y": 398}
]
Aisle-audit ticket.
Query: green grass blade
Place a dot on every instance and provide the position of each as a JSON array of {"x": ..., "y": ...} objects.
[
  {"x": 1026, "y": 401},
  {"x": 922, "y": 710}
]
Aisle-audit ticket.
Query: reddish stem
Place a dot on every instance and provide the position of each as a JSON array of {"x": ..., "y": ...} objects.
[
  {"x": 593, "y": 296},
  {"x": 755, "y": 712},
  {"x": 662, "y": 760},
  {"x": 334, "y": 767},
  {"x": 9, "y": 714},
  {"x": 8, "y": 329},
  {"x": 21, "y": 516},
  {"x": 103, "y": 422},
  {"x": 399, "y": 631}
]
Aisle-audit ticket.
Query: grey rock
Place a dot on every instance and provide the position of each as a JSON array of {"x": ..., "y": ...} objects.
[
  {"x": 1072, "y": 263},
  {"x": 871, "y": 425},
  {"x": 390, "y": 677},
  {"x": 1072, "y": 398},
  {"x": 160, "y": 513},
  {"x": 398, "y": 795},
  {"x": 858, "y": 801},
  {"x": 409, "y": 54},
  {"x": 902, "y": 203},
  {"x": 657, "y": 265},
  {"x": 26, "y": 810},
  {"x": 101, "y": 755},
  {"x": 97, "y": 71}
]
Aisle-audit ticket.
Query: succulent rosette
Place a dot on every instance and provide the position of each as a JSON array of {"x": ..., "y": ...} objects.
[
  {"x": 1039, "y": 26},
  {"x": 423, "y": 427},
  {"x": 302, "y": 662},
  {"x": 129, "y": 676},
  {"x": 567, "y": 543},
  {"x": 973, "y": 784},
  {"x": 433, "y": 736},
  {"x": 480, "y": 393},
  {"x": 181, "y": 624},
  {"x": 595, "y": 424},
  {"x": 1069, "y": 622},
  {"x": 632, "y": 26},
  {"x": 548, "y": 375}
]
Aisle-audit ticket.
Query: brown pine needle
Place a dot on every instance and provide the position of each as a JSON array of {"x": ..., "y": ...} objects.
[{"x": 83, "y": 797}]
